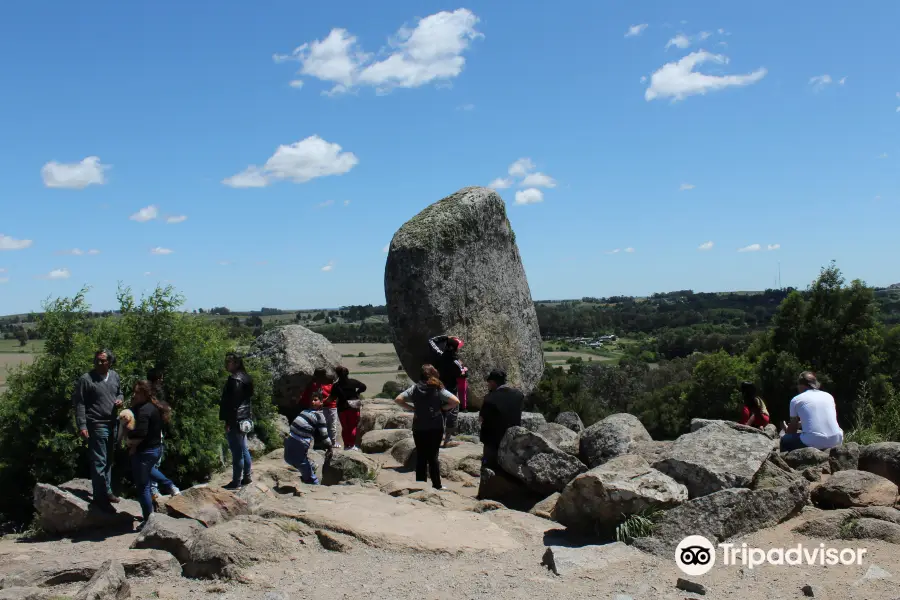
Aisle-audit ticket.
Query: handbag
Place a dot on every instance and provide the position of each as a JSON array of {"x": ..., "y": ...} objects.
[
  {"x": 246, "y": 426},
  {"x": 354, "y": 404}
]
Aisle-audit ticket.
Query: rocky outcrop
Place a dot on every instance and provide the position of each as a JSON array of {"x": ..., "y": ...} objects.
[
  {"x": 383, "y": 440},
  {"x": 714, "y": 458},
  {"x": 62, "y": 512},
  {"x": 844, "y": 458},
  {"x": 725, "y": 514},
  {"x": 76, "y": 567},
  {"x": 455, "y": 269},
  {"x": 882, "y": 459},
  {"x": 614, "y": 436},
  {"x": 347, "y": 466},
  {"x": 540, "y": 465},
  {"x": 622, "y": 486},
  {"x": 560, "y": 436},
  {"x": 174, "y": 536},
  {"x": 571, "y": 420},
  {"x": 804, "y": 458},
  {"x": 846, "y": 489},
  {"x": 108, "y": 583},
  {"x": 292, "y": 353},
  {"x": 867, "y": 523},
  {"x": 207, "y": 505}
]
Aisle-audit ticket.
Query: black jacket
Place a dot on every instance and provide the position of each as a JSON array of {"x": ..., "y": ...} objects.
[
  {"x": 446, "y": 362},
  {"x": 347, "y": 389},
  {"x": 501, "y": 410},
  {"x": 148, "y": 425},
  {"x": 236, "y": 403}
]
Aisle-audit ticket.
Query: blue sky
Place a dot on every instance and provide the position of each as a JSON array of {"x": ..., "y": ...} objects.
[{"x": 263, "y": 154}]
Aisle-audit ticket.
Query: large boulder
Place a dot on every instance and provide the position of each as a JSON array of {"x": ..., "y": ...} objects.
[
  {"x": 622, "y": 486},
  {"x": 108, "y": 583},
  {"x": 865, "y": 523},
  {"x": 846, "y": 489},
  {"x": 174, "y": 536},
  {"x": 470, "y": 424},
  {"x": 383, "y": 440},
  {"x": 714, "y": 458},
  {"x": 697, "y": 424},
  {"x": 571, "y": 420},
  {"x": 62, "y": 512},
  {"x": 348, "y": 466},
  {"x": 725, "y": 514},
  {"x": 293, "y": 352},
  {"x": 455, "y": 269},
  {"x": 560, "y": 436},
  {"x": 540, "y": 465},
  {"x": 804, "y": 458},
  {"x": 613, "y": 436},
  {"x": 844, "y": 457},
  {"x": 207, "y": 505},
  {"x": 377, "y": 414},
  {"x": 882, "y": 459}
]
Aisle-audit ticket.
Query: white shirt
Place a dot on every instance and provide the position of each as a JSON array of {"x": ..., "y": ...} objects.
[{"x": 818, "y": 419}]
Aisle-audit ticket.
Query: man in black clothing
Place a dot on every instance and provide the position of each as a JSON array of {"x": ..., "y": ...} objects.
[
  {"x": 502, "y": 409},
  {"x": 444, "y": 352},
  {"x": 97, "y": 395}
]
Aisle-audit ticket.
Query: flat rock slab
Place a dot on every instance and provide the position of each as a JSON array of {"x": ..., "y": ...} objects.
[
  {"x": 82, "y": 566},
  {"x": 207, "y": 505},
  {"x": 846, "y": 489},
  {"x": 384, "y": 522},
  {"x": 565, "y": 561},
  {"x": 63, "y": 512}
]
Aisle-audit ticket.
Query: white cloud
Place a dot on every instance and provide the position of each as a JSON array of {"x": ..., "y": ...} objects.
[
  {"x": 629, "y": 250},
  {"x": 679, "y": 41},
  {"x": 842, "y": 81},
  {"x": 678, "y": 80},
  {"x": 538, "y": 180},
  {"x": 325, "y": 204},
  {"x": 636, "y": 30},
  {"x": 161, "y": 251},
  {"x": 299, "y": 162},
  {"x": 750, "y": 248},
  {"x": 521, "y": 167},
  {"x": 432, "y": 51},
  {"x": 500, "y": 183},
  {"x": 704, "y": 35},
  {"x": 686, "y": 186},
  {"x": 175, "y": 219},
  {"x": 882, "y": 155},
  {"x": 147, "y": 273},
  {"x": 75, "y": 176},
  {"x": 148, "y": 213},
  {"x": 820, "y": 82},
  {"x": 529, "y": 196},
  {"x": 721, "y": 31},
  {"x": 706, "y": 246},
  {"x": 773, "y": 246},
  {"x": 72, "y": 252},
  {"x": 296, "y": 84},
  {"x": 616, "y": 251},
  {"x": 58, "y": 274},
  {"x": 346, "y": 203},
  {"x": 11, "y": 243},
  {"x": 329, "y": 266}
]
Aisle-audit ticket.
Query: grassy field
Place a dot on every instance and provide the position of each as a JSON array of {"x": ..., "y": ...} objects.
[{"x": 13, "y": 346}]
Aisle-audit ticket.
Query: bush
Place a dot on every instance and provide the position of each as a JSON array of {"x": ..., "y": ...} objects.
[
  {"x": 38, "y": 440},
  {"x": 362, "y": 354}
]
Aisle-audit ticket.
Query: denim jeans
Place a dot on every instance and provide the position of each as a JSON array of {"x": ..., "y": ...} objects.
[
  {"x": 296, "y": 454},
  {"x": 143, "y": 471},
  {"x": 154, "y": 483},
  {"x": 102, "y": 451},
  {"x": 790, "y": 441},
  {"x": 241, "y": 464}
]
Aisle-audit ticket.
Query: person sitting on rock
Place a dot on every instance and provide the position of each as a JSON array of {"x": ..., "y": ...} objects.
[
  {"x": 308, "y": 428},
  {"x": 429, "y": 400},
  {"x": 322, "y": 384},
  {"x": 444, "y": 350},
  {"x": 754, "y": 412},
  {"x": 347, "y": 392},
  {"x": 502, "y": 409},
  {"x": 814, "y": 415}
]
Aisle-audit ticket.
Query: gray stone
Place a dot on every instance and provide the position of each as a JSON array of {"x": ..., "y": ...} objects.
[
  {"x": 62, "y": 512},
  {"x": 223, "y": 550},
  {"x": 812, "y": 473},
  {"x": 455, "y": 269},
  {"x": 404, "y": 452},
  {"x": 348, "y": 466},
  {"x": 725, "y": 514},
  {"x": 55, "y": 570},
  {"x": 174, "y": 536},
  {"x": 844, "y": 458},
  {"x": 715, "y": 458},
  {"x": 383, "y": 440},
  {"x": 533, "y": 421},
  {"x": 282, "y": 425},
  {"x": 563, "y": 560},
  {"x": 651, "y": 451},
  {"x": 400, "y": 420},
  {"x": 207, "y": 505},
  {"x": 874, "y": 572},
  {"x": 622, "y": 486},
  {"x": 560, "y": 436},
  {"x": 808, "y": 591},
  {"x": 698, "y": 424},
  {"x": 804, "y": 458},
  {"x": 613, "y": 436},
  {"x": 536, "y": 462},
  {"x": 333, "y": 542},
  {"x": 29, "y": 593},
  {"x": 775, "y": 473},
  {"x": 882, "y": 459},
  {"x": 292, "y": 353},
  {"x": 546, "y": 508},
  {"x": 108, "y": 583},
  {"x": 846, "y": 489},
  {"x": 469, "y": 424},
  {"x": 571, "y": 420},
  {"x": 691, "y": 587}
]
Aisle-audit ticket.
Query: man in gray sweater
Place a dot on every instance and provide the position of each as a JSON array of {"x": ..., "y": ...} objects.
[{"x": 98, "y": 394}]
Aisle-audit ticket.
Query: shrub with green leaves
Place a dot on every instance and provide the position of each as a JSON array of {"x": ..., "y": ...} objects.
[{"x": 38, "y": 440}]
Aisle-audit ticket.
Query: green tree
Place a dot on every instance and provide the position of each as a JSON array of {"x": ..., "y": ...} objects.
[{"x": 21, "y": 335}]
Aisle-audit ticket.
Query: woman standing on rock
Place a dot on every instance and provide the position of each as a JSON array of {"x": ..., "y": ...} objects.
[
  {"x": 428, "y": 399},
  {"x": 347, "y": 392},
  {"x": 149, "y": 415},
  {"x": 236, "y": 409}
]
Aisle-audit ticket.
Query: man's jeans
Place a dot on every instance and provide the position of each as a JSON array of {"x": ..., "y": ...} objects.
[
  {"x": 296, "y": 454},
  {"x": 790, "y": 441},
  {"x": 241, "y": 464},
  {"x": 102, "y": 452},
  {"x": 143, "y": 470}
]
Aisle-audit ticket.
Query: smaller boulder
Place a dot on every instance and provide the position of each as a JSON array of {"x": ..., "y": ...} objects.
[
  {"x": 532, "y": 420},
  {"x": 882, "y": 459},
  {"x": 846, "y": 489},
  {"x": 333, "y": 542},
  {"x": 536, "y": 462},
  {"x": 844, "y": 457},
  {"x": 404, "y": 451},
  {"x": 223, "y": 550},
  {"x": 804, "y": 458},
  {"x": 560, "y": 436},
  {"x": 348, "y": 466},
  {"x": 613, "y": 436},
  {"x": 207, "y": 505},
  {"x": 62, "y": 512},
  {"x": 546, "y": 508},
  {"x": 571, "y": 420},
  {"x": 108, "y": 583},
  {"x": 775, "y": 473},
  {"x": 400, "y": 420},
  {"x": 563, "y": 560},
  {"x": 175, "y": 536},
  {"x": 512, "y": 493},
  {"x": 383, "y": 440}
]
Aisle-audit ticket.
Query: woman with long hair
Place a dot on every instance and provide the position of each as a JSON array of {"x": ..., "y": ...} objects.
[
  {"x": 754, "y": 412},
  {"x": 236, "y": 409},
  {"x": 347, "y": 392},
  {"x": 145, "y": 442},
  {"x": 429, "y": 400}
]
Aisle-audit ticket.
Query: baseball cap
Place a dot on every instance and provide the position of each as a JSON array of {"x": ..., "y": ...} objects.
[{"x": 498, "y": 375}]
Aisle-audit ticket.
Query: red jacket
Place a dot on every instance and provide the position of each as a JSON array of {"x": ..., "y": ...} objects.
[{"x": 312, "y": 388}]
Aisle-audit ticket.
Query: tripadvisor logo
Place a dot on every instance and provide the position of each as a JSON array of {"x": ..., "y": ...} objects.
[{"x": 695, "y": 555}]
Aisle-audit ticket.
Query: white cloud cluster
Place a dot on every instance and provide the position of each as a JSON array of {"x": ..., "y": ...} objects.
[
  {"x": 160, "y": 251},
  {"x": 151, "y": 213},
  {"x": 11, "y": 243},
  {"x": 750, "y": 248},
  {"x": 636, "y": 30},
  {"x": 628, "y": 250},
  {"x": 682, "y": 41},
  {"x": 820, "y": 82},
  {"x": 686, "y": 186},
  {"x": 432, "y": 51},
  {"x": 62, "y": 273},
  {"x": 705, "y": 246},
  {"x": 523, "y": 170},
  {"x": 329, "y": 266},
  {"x": 89, "y": 171},
  {"x": 773, "y": 246},
  {"x": 678, "y": 80},
  {"x": 298, "y": 162},
  {"x": 80, "y": 252}
]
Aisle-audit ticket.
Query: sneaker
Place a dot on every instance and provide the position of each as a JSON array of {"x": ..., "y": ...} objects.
[
  {"x": 234, "y": 485},
  {"x": 246, "y": 480},
  {"x": 174, "y": 491}
]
